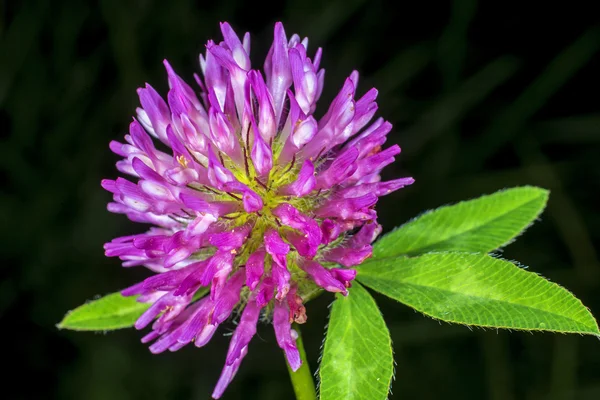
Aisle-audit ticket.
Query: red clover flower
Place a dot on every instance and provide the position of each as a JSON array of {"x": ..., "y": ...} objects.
[{"x": 259, "y": 200}]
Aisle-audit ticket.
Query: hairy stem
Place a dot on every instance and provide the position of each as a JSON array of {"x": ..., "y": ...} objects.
[{"x": 302, "y": 380}]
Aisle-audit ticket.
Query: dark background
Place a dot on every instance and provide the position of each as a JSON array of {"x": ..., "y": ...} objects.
[{"x": 482, "y": 96}]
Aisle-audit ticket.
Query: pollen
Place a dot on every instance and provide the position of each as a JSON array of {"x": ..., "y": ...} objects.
[{"x": 182, "y": 161}]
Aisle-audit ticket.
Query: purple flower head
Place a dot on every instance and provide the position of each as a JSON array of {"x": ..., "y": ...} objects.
[{"x": 256, "y": 199}]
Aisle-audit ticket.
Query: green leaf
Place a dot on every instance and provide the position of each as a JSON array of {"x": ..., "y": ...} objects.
[
  {"x": 480, "y": 225},
  {"x": 113, "y": 311},
  {"x": 480, "y": 290},
  {"x": 357, "y": 357}
]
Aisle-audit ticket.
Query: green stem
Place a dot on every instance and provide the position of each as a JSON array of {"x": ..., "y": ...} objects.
[{"x": 302, "y": 380}]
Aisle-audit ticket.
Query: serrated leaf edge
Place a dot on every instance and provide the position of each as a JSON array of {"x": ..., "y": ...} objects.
[
  {"x": 545, "y": 193},
  {"x": 596, "y": 326}
]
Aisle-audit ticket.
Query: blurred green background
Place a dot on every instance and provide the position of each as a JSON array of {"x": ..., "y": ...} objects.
[{"x": 483, "y": 95}]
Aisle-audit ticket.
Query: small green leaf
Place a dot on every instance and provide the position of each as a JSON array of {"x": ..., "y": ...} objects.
[
  {"x": 357, "y": 359},
  {"x": 480, "y": 225},
  {"x": 480, "y": 290},
  {"x": 113, "y": 311}
]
